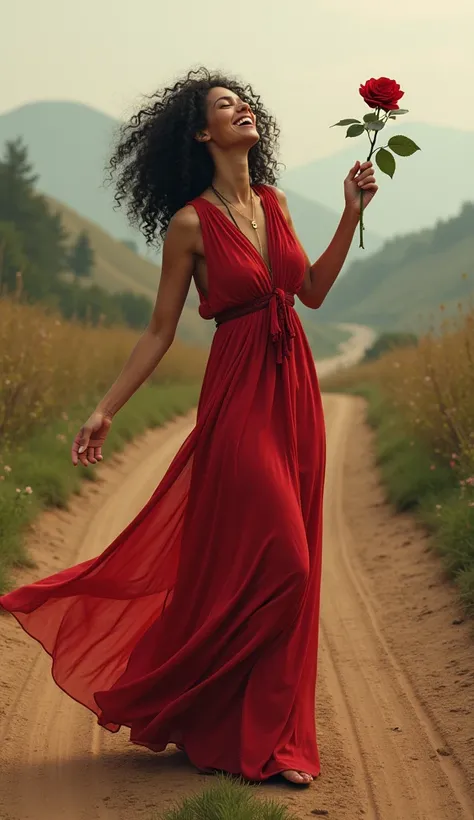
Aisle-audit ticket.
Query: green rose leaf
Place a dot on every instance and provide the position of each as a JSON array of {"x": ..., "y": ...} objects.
[
  {"x": 398, "y": 112},
  {"x": 377, "y": 125},
  {"x": 386, "y": 162},
  {"x": 371, "y": 117},
  {"x": 355, "y": 130},
  {"x": 344, "y": 122},
  {"x": 403, "y": 146}
]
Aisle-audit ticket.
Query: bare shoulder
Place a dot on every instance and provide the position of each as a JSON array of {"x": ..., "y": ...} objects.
[
  {"x": 283, "y": 202},
  {"x": 184, "y": 227},
  {"x": 280, "y": 195},
  {"x": 185, "y": 219}
]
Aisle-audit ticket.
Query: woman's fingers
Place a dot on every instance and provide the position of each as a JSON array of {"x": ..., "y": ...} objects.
[
  {"x": 362, "y": 173},
  {"x": 366, "y": 177},
  {"x": 87, "y": 445},
  {"x": 80, "y": 446},
  {"x": 363, "y": 183},
  {"x": 353, "y": 171},
  {"x": 74, "y": 449}
]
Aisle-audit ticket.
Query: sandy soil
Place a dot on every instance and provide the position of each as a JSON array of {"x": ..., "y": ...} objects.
[{"x": 396, "y": 684}]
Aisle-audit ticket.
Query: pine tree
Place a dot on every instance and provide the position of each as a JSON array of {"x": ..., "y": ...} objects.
[
  {"x": 81, "y": 257},
  {"x": 12, "y": 257},
  {"x": 41, "y": 232}
]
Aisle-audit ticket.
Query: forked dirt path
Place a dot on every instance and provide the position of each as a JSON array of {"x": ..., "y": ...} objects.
[{"x": 395, "y": 685}]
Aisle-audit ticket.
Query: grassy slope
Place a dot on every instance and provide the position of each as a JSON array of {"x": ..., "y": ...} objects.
[
  {"x": 395, "y": 294},
  {"x": 117, "y": 268}
]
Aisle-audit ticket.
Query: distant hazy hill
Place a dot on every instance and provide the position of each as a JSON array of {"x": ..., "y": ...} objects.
[
  {"x": 428, "y": 186},
  {"x": 70, "y": 144},
  {"x": 404, "y": 284},
  {"x": 117, "y": 268}
]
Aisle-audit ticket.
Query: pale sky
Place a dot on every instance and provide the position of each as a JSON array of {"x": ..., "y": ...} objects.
[{"x": 305, "y": 57}]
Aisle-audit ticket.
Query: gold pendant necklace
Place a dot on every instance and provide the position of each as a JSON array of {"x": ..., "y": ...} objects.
[{"x": 252, "y": 221}]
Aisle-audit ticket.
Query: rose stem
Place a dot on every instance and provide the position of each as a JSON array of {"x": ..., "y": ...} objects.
[{"x": 361, "y": 220}]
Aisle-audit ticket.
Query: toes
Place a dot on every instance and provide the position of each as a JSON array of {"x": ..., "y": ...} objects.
[
  {"x": 293, "y": 777},
  {"x": 297, "y": 777}
]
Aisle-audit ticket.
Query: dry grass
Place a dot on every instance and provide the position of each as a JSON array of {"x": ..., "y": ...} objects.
[
  {"x": 46, "y": 363},
  {"x": 432, "y": 388},
  {"x": 421, "y": 402}
]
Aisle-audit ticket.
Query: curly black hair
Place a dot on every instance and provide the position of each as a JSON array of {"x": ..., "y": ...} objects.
[{"x": 158, "y": 164}]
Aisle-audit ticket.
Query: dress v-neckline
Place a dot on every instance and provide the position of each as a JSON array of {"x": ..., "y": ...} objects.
[{"x": 268, "y": 265}]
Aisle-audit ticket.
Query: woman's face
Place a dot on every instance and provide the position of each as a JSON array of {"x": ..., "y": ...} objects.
[{"x": 230, "y": 122}]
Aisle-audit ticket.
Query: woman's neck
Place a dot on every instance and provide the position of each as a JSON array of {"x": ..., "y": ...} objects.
[{"x": 232, "y": 179}]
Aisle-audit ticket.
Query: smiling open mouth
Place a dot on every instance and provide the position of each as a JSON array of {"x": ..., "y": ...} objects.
[{"x": 244, "y": 121}]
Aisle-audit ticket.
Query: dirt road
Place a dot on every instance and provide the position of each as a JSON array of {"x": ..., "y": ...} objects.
[
  {"x": 378, "y": 738},
  {"x": 350, "y": 351}
]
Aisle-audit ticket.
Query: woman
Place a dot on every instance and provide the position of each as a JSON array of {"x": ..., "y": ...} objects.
[{"x": 199, "y": 624}]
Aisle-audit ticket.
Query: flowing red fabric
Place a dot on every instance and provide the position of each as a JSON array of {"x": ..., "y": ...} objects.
[{"x": 198, "y": 625}]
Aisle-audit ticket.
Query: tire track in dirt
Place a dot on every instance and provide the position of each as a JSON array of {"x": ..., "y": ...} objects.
[{"x": 400, "y": 773}]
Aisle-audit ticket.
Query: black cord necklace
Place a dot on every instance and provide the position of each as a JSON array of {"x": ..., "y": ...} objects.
[{"x": 228, "y": 203}]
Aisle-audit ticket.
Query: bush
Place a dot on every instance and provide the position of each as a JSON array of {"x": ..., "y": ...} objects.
[{"x": 389, "y": 341}]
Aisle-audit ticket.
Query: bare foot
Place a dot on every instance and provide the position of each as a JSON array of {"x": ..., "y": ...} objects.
[{"x": 300, "y": 778}]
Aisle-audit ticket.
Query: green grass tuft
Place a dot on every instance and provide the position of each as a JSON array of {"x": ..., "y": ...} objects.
[{"x": 228, "y": 799}]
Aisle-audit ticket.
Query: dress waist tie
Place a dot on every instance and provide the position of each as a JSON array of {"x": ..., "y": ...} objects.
[{"x": 282, "y": 327}]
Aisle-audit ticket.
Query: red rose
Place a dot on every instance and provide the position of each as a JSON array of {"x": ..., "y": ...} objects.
[{"x": 382, "y": 93}]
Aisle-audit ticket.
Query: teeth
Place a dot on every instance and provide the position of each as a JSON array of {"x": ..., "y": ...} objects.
[{"x": 244, "y": 120}]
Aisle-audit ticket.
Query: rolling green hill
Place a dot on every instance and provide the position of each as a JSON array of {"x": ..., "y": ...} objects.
[
  {"x": 402, "y": 286},
  {"x": 117, "y": 268}
]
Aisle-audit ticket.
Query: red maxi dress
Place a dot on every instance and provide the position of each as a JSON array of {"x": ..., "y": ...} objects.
[{"x": 198, "y": 625}]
